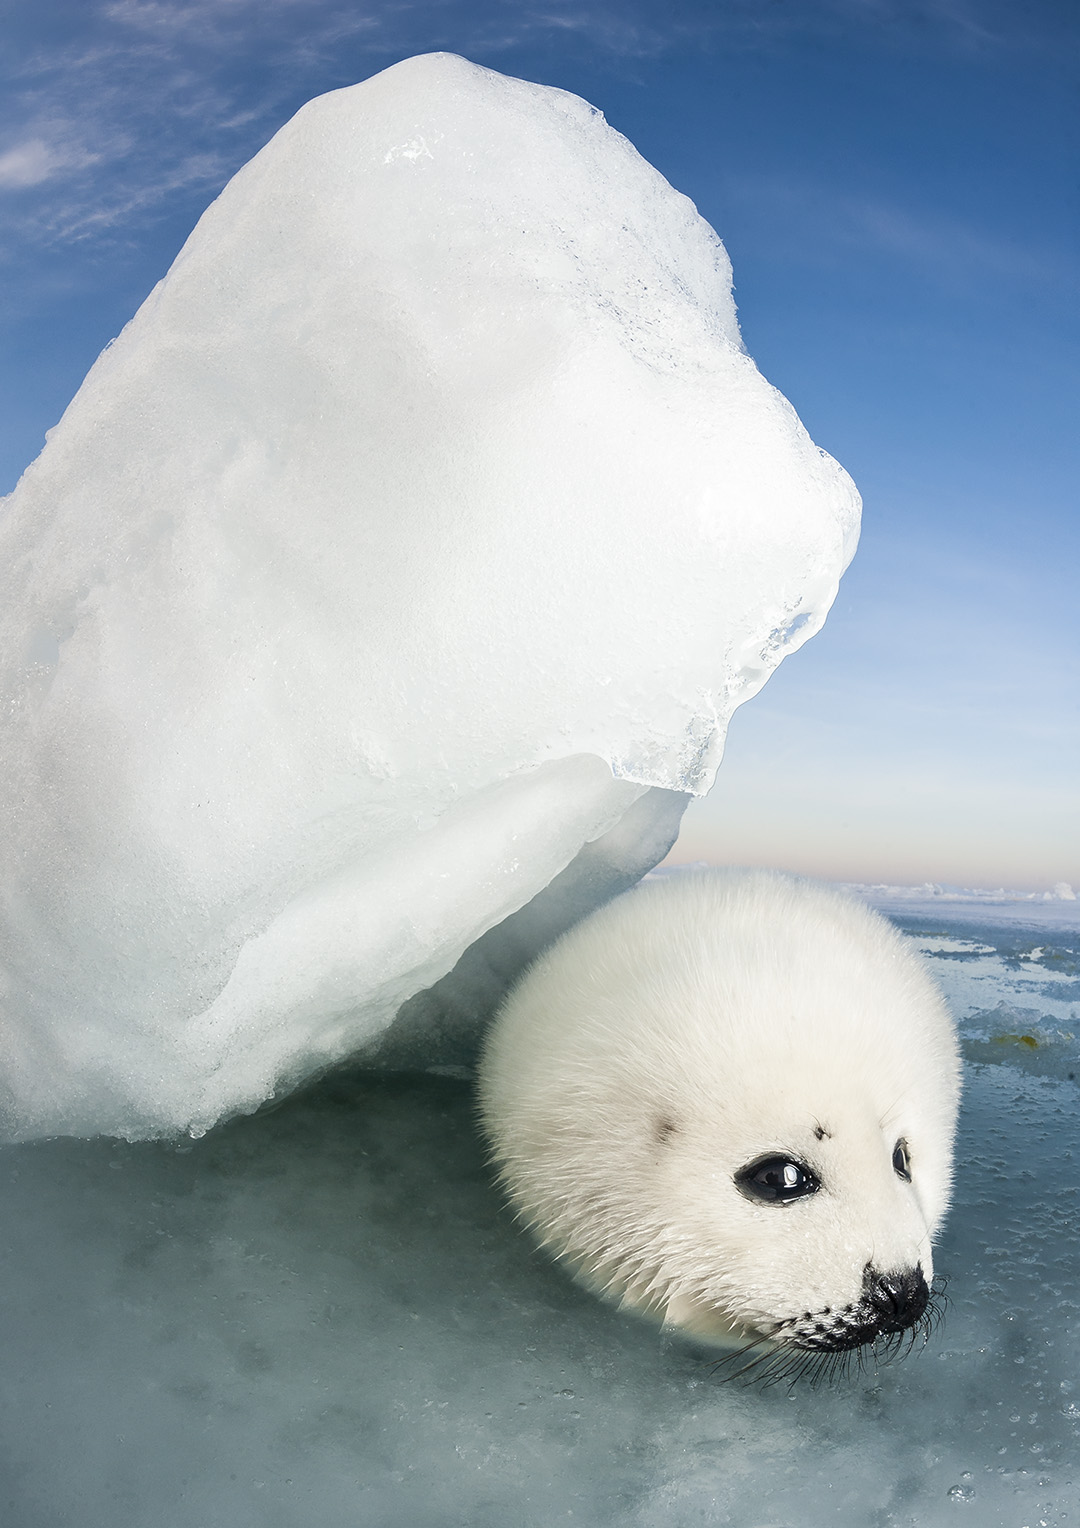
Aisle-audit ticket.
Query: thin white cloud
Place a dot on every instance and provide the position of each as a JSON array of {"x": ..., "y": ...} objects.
[
  {"x": 49, "y": 151},
  {"x": 966, "y": 18},
  {"x": 823, "y": 225},
  {"x": 170, "y": 16},
  {"x": 948, "y": 243},
  {"x": 615, "y": 31},
  {"x": 27, "y": 164},
  {"x": 108, "y": 129}
]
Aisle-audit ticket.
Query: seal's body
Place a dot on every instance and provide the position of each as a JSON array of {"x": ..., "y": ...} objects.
[{"x": 728, "y": 1100}]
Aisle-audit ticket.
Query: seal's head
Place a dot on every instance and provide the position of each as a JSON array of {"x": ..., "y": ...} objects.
[{"x": 728, "y": 1100}]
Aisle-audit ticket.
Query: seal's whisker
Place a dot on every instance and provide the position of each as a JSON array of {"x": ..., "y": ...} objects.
[{"x": 771, "y": 1361}]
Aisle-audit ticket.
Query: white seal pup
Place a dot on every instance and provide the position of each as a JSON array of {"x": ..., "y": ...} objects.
[{"x": 727, "y": 1100}]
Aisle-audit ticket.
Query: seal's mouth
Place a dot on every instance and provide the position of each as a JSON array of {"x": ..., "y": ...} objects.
[{"x": 894, "y": 1314}]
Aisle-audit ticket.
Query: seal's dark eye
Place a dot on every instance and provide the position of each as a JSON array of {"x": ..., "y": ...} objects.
[
  {"x": 901, "y": 1161},
  {"x": 776, "y": 1180}
]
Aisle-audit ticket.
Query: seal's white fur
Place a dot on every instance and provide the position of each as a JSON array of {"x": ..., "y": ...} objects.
[{"x": 691, "y": 1027}]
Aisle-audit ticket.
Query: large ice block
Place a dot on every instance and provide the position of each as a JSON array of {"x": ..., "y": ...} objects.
[{"x": 426, "y": 515}]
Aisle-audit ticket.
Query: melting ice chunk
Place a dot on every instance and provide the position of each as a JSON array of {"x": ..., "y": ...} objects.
[{"x": 426, "y": 515}]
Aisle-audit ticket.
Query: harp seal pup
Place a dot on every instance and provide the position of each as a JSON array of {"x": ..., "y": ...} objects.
[{"x": 727, "y": 1100}]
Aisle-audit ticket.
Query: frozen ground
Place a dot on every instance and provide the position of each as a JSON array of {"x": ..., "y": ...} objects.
[{"x": 322, "y": 1316}]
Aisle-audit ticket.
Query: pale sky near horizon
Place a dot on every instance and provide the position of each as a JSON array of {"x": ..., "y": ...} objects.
[{"x": 896, "y": 182}]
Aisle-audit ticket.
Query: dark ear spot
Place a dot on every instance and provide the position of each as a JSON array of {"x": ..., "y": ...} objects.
[{"x": 663, "y": 1130}]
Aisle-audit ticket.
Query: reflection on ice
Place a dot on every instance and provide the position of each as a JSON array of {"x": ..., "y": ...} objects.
[{"x": 324, "y": 1316}]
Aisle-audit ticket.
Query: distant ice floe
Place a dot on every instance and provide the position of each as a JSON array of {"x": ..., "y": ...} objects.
[
  {"x": 930, "y": 891},
  {"x": 1057, "y": 906}
]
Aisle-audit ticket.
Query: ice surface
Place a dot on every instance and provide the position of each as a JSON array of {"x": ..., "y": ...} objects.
[
  {"x": 322, "y": 1316},
  {"x": 1008, "y": 966},
  {"x": 427, "y": 514}
]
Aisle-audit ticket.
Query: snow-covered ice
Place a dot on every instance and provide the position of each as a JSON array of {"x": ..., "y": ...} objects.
[
  {"x": 425, "y": 517},
  {"x": 322, "y": 1316}
]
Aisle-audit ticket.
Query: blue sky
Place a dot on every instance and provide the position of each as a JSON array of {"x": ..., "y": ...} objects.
[{"x": 898, "y": 185}]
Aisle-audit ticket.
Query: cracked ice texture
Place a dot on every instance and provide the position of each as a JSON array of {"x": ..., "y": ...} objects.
[{"x": 426, "y": 515}]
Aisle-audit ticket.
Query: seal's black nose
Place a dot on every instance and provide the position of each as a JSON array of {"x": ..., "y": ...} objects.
[
  {"x": 889, "y": 1303},
  {"x": 895, "y": 1301}
]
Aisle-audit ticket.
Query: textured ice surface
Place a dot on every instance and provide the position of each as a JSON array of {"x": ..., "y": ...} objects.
[
  {"x": 1010, "y": 970},
  {"x": 321, "y": 1316},
  {"x": 428, "y": 513}
]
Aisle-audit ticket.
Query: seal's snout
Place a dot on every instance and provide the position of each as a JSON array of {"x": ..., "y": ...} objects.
[
  {"x": 896, "y": 1300},
  {"x": 890, "y": 1303}
]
